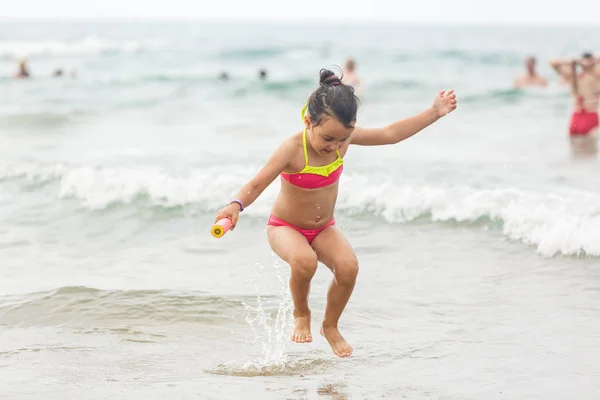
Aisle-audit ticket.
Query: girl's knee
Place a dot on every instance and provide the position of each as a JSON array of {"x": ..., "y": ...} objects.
[
  {"x": 304, "y": 265},
  {"x": 346, "y": 269}
]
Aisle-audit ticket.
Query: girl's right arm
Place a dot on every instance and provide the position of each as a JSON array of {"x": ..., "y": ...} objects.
[{"x": 276, "y": 164}]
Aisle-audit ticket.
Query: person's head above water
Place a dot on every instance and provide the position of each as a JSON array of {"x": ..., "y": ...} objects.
[
  {"x": 23, "y": 65},
  {"x": 530, "y": 64},
  {"x": 330, "y": 114},
  {"x": 587, "y": 61},
  {"x": 350, "y": 64}
]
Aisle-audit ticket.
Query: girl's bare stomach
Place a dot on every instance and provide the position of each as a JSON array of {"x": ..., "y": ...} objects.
[{"x": 305, "y": 208}]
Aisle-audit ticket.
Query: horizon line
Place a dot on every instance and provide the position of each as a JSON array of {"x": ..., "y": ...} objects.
[{"x": 287, "y": 20}]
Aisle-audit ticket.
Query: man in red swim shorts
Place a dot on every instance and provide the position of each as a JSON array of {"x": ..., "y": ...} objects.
[{"x": 585, "y": 88}]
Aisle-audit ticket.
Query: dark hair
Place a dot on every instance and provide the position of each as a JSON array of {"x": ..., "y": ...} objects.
[
  {"x": 334, "y": 99},
  {"x": 587, "y": 55}
]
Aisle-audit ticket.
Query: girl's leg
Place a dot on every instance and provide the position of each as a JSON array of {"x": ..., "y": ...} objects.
[
  {"x": 334, "y": 250},
  {"x": 292, "y": 247}
]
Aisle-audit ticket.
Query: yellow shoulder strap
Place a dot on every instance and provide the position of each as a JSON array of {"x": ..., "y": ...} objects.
[
  {"x": 304, "y": 145},
  {"x": 304, "y": 109}
]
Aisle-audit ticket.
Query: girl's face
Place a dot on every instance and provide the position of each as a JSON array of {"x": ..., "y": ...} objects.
[{"x": 328, "y": 136}]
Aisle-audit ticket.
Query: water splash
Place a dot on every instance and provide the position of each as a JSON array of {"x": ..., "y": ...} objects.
[{"x": 271, "y": 320}]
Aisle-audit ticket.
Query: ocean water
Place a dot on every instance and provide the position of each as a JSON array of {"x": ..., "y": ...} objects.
[{"x": 478, "y": 239}]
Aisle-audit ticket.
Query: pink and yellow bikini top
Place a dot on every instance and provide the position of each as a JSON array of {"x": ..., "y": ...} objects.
[{"x": 315, "y": 177}]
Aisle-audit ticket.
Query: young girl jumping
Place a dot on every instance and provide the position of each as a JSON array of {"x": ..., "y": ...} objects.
[{"x": 301, "y": 229}]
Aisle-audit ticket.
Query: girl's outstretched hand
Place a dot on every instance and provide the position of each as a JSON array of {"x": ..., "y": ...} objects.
[
  {"x": 445, "y": 102},
  {"x": 232, "y": 212}
]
